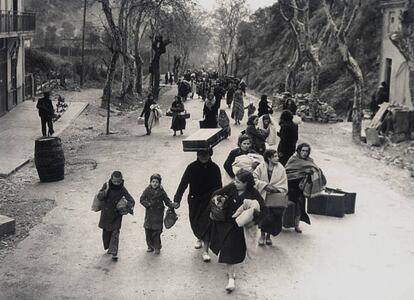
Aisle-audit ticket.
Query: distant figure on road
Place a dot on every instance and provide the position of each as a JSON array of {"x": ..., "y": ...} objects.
[
  {"x": 264, "y": 108},
  {"x": 204, "y": 177},
  {"x": 251, "y": 109},
  {"x": 288, "y": 137},
  {"x": 166, "y": 78},
  {"x": 154, "y": 199},
  {"x": 111, "y": 194},
  {"x": 237, "y": 112},
  {"x": 305, "y": 179},
  {"x": 171, "y": 79},
  {"x": 228, "y": 240},
  {"x": 210, "y": 112},
  {"x": 219, "y": 93},
  {"x": 46, "y": 112},
  {"x": 230, "y": 94},
  {"x": 178, "y": 122},
  {"x": 243, "y": 86},
  {"x": 146, "y": 112}
]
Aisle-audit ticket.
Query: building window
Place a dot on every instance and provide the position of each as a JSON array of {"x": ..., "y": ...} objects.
[{"x": 391, "y": 21}]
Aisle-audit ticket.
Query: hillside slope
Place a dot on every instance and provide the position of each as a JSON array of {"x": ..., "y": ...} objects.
[{"x": 274, "y": 50}]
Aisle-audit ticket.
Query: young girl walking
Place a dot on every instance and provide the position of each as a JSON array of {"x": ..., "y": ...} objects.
[{"x": 154, "y": 198}]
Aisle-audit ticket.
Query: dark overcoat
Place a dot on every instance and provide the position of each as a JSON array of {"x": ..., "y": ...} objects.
[
  {"x": 178, "y": 122},
  {"x": 154, "y": 201},
  {"x": 288, "y": 137},
  {"x": 203, "y": 179},
  {"x": 111, "y": 219},
  {"x": 227, "y": 238}
]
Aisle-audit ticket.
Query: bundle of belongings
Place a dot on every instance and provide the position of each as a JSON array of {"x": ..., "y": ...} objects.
[
  {"x": 245, "y": 216},
  {"x": 310, "y": 109},
  {"x": 247, "y": 161}
]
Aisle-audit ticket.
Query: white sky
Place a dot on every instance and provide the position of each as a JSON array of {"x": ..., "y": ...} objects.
[{"x": 253, "y": 4}]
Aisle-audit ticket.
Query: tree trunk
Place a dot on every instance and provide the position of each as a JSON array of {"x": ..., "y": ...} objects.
[
  {"x": 107, "y": 91},
  {"x": 292, "y": 72},
  {"x": 156, "y": 76},
  {"x": 248, "y": 70},
  {"x": 138, "y": 79}
]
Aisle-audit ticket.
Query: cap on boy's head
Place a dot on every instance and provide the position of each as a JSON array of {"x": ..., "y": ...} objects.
[
  {"x": 116, "y": 174},
  {"x": 156, "y": 176}
]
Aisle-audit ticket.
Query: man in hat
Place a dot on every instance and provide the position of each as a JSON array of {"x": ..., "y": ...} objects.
[
  {"x": 46, "y": 112},
  {"x": 204, "y": 177}
]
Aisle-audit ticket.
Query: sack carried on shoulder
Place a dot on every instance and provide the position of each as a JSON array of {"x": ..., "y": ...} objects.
[
  {"x": 170, "y": 218},
  {"x": 96, "y": 204},
  {"x": 276, "y": 200}
]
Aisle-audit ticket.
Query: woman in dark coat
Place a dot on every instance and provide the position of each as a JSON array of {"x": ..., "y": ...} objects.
[
  {"x": 147, "y": 111},
  {"x": 110, "y": 222},
  {"x": 230, "y": 94},
  {"x": 290, "y": 105},
  {"x": 210, "y": 112},
  {"x": 264, "y": 108},
  {"x": 227, "y": 238},
  {"x": 178, "y": 122},
  {"x": 245, "y": 147},
  {"x": 204, "y": 177},
  {"x": 257, "y": 136},
  {"x": 288, "y": 137}
]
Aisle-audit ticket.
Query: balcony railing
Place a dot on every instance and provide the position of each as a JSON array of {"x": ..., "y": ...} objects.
[{"x": 11, "y": 21}]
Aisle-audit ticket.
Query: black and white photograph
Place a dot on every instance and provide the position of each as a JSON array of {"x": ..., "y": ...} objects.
[{"x": 206, "y": 149}]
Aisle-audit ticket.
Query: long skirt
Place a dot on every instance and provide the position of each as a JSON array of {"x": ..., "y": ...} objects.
[
  {"x": 295, "y": 195},
  {"x": 228, "y": 242},
  {"x": 272, "y": 222},
  {"x": 199, "y": 214},
  {"x": 238, "y": 110},
  {"x": 178, "y": 123}
]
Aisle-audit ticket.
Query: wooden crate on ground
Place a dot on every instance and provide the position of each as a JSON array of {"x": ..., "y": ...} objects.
[{"x": 7, "y": 225}]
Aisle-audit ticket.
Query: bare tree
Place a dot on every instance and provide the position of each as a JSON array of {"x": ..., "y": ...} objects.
[
  {"x": 404, "y": 41},
  {"x": 340, "y": 30},
  {"x": 228, "y": 16}
]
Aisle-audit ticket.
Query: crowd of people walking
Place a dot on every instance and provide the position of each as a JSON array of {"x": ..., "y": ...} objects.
[{"x": 267, "y": 176}]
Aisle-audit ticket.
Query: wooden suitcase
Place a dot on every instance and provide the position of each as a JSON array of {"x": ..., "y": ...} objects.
[
  {"x": 327, "y": 204},
  {"x": 289, "y": 215},
  {"x": 203, "y": 139},
  {"x": 350, "y": 199}
]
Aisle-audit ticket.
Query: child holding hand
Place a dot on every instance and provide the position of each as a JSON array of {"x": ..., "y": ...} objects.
[{"x": 154, "y": 198}]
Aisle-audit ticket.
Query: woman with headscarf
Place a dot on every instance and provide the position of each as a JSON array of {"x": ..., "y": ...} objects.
[
  {"x": 264, "y": 108},
  {"x": 257, "y": 136},
  {"x": 288, "y": 134},
  {"x": 238, "y": 107},
  {"x": 210, "y": 112},
  {"x": 228, "y": 240},
  {"x": 268, "y": 125},
  {"x": 271, "y": 181},
  {"x": 244, "y": 147},
  {"x": 305, "y": 180},
  {"x": 178, "y": 122}
]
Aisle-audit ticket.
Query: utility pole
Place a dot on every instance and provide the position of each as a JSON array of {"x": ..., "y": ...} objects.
[{"x": 83, "y": 43}]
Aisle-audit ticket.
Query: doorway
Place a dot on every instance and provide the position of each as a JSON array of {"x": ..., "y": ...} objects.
[
  {"x": 3, "y": 77},
  {"x": 387, "y": 70}
]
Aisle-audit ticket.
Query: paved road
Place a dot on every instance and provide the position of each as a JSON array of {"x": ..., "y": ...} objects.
[{"x": 368, "y": 255}]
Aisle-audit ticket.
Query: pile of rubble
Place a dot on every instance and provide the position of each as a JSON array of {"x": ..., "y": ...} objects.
[{"x": 310, "y": 109}]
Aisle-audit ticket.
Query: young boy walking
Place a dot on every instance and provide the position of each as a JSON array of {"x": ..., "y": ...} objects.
[
  {"x": 154, "y": 198},
  {"x": 111, "y": 193}
]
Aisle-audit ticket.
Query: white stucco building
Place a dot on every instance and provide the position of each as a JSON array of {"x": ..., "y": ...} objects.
[
  {"x": 394, "y": 68},
  {"x": 15, "y": 28}
]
